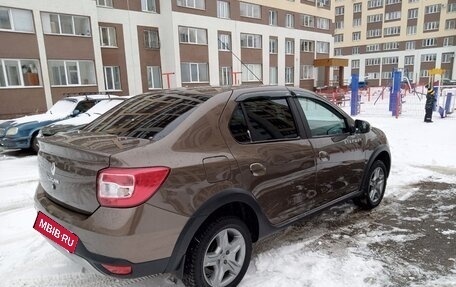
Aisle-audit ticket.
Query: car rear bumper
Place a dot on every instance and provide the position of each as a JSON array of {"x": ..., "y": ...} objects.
[
  {"x": 14, "y": 143},
  {"x": 141, "y": 237}
]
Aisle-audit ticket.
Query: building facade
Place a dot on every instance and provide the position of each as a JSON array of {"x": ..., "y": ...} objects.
[
  {"x": 378, "y": 36},
  {"x": 50, "y": 48}
]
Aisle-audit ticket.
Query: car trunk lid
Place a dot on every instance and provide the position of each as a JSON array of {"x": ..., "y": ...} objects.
[{"x": 69, "y": 164}]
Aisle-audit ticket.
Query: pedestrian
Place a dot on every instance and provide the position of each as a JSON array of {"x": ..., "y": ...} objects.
[{"x": 429, "y": 106}]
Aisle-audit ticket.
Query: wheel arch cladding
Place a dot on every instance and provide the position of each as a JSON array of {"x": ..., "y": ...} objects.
[{"x": 234, "y": 202}]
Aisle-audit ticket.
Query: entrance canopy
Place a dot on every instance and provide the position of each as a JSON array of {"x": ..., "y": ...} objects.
[{"x": 332, "y": 62}]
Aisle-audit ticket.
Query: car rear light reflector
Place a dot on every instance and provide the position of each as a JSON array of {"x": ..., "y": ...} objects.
[
  {"x": 119, "y": 270},
  {"x": 128, "y": 187}
]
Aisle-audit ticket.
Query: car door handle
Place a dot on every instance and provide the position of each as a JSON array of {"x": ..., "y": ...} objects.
[
  {"x": 257, "y": 169},
  {"x": 324, "y": 156}
]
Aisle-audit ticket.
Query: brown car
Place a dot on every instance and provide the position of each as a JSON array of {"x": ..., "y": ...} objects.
[{"x": 184, "y": 181}]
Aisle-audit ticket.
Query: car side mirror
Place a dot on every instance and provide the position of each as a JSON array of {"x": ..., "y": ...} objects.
[
  {"x": 75, "y": 113},
  {"x": 362, "y": 126}
]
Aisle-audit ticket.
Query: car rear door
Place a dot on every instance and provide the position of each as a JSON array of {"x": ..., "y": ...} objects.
[
  {"x": 276, "y": 164},
  {"x": 340, "y": 154}
]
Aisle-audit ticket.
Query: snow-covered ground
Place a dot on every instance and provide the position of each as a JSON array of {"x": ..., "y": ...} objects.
[{"x": 341, "y": 247}]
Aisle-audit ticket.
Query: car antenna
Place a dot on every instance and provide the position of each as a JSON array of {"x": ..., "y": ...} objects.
[{"x": 231, "y": 51}]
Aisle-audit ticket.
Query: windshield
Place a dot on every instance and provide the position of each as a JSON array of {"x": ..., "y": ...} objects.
[
  {"x": 147, "y": 115},
  {"x": 62, "y": 107}
]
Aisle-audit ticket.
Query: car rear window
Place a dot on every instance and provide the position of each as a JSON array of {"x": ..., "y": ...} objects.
[{"x": 150, "y": 116}]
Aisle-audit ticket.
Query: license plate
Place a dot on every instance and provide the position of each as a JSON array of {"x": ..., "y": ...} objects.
[{"x": 56, "y": 232}]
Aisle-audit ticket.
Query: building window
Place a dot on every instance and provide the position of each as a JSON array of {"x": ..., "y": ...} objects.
[
  {"x": 446, "y": 58},
  {"x": 410, "y": 45},
  {"x": 390, "y": 46},
  {"x": 432, "y": 9},
  {"x": 337, "y": 52},
  {"x": 308, "y": 21},
  {"x": 192, "y": 35},
  {"x": 450, "y": 24},
  {"x": 355, "y": 51},
  {"x": 374, "y": 4},
  {"x": 340, "y": 10},
  {"x": 395, "y": 15},
  {"x": 409, "y": 60},
  {"x": 66, "y": 24},
  {"x": 251, "y": 41},
  {"x": 373, "y": 75},
  {"x": 412, "y": 13},
  {"x": 424, "y": 73},
  {"x": 373, "y": 61},
  {"x": 251, "y": 73},
  {"x": 194, "y": 72},
  {"x": 108, "y": 37},
  {"x": 390, "y": 2},
  {"x": 387, "y": 75},
  {"x": 356, "y": 36},
  {"x": 339, "y": 24},
  {"x": 357, "y": 7},
  {"x": 411, "y": 30},
  {"x": 338, "y": 38},
  {"x": 223, "y": 9},
  {"x": 374, "y": 33},
  {"x": 447, "y": 41},
  {"x": 323, "y": 23},
  {"x": 289, "y": 75},
  {"x": 250, "y": 10},
  {"x": 112, "y": 78},
  {"x": 226, "y": 76},
  {"x": 224, "y": 42},
  {"x": 17, "y": 20},
  {"x": 104, "y": 3},
  {"x": 451, "y": 7},
  {"x": 272, "y": 17},
  {"x": 356, "y": 22},
  {"x": 273, "y": 45},
  {"x": 355, "y": 64},
  {"x": 429, "y": 42},
  {"x": 390, "y": 60},
  {"x": 307, "y": 46},
  {"x": 430, "y": 26},
  {"x": 196, "y": 4},
  {"x": 151, "y": 39},
  {"x": 390, "y": 31},
  {"x": 289, "y": 46},
  {"x": 413, "y": 1},
  {"x": 273, "y": 76},
  {"x": 375, "y": 18},
  {"x": 372, "y": 47},
  {"x": 307, "y": 72},
  {"x": 322, "y": 47},
  {"x": 19, "y": 73},
  {"x": 289, "y": 21},
  {"x": 154, "y": 77},
  {"x": 149, "y": 5},
  {"x": 428, "y": 57},
  {"x": 71, "y": 73}
]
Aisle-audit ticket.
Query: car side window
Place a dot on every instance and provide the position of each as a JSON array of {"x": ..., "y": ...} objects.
[
  {"x": 322, "y": 120},
  {"x": 84, "y": 106},
  {"x": 262, "y": 120}
]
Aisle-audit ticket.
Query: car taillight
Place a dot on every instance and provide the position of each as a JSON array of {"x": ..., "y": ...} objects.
[
  {"x": 119, "y": 270},
  {"x": 128, "y": 187}
]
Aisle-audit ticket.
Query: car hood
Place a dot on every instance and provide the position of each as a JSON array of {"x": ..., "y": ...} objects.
[{"x": 41, "y": 119}]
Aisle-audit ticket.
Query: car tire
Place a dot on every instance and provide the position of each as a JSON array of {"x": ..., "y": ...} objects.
[
  {"x": 225, "y": 246},
  {"x": 374, "y": 186},
  {"x": 34, "y": 146}
]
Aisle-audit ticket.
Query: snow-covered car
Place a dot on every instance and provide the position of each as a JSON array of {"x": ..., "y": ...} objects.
[
  {"x": 21, "y": 133},
  {"x": 82, "y": 119}
]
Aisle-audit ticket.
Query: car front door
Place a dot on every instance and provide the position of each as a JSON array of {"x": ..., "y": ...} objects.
[
  {"x": 276, "y": 164},
  {"x": 339, "y": 153}
]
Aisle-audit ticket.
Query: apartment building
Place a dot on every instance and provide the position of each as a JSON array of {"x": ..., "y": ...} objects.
[
  {"x": 50, "y": 48},
  {"x": 378, "y": 36}
]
